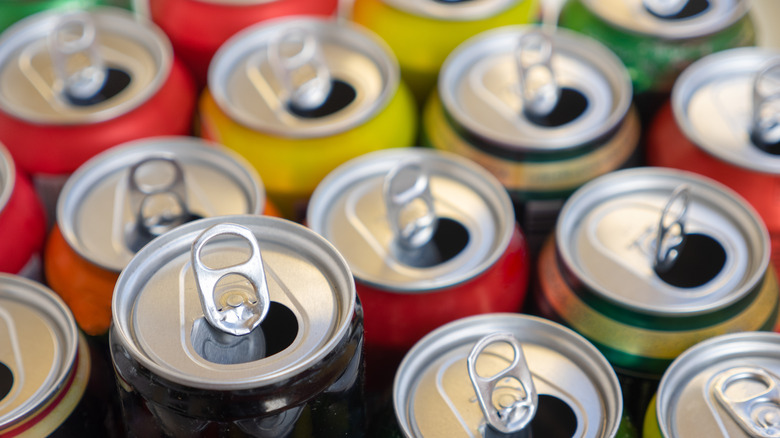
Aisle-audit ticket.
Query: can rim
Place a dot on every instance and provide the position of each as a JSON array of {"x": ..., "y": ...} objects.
[
  {"x": 7, "y": 176},
  {"x": 468, "y": 11}
]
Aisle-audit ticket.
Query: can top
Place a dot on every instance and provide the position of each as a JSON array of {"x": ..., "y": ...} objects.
[
  {"x": 122, "y": 198},
  {"x": 459, "y": 217},
  {"x": 160, "y": 320},
  {"x": 725, "y": 386},
  {"x": 7, "y": 176},
  {"x": 676, "y": 19},
  {"x": 38, "y": 346},
  {"x": 433, "y": 395},
  {"x": 303, "y": 77},
  {"x": 78, "y": 67},
  {"x": 493, "y": 83},
  {"x": 453, "y": 10},
  {"x": 718, "y": 107},
  {"x": 636, "y": 239}
]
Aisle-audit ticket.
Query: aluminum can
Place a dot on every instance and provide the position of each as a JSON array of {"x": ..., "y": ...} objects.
[
  {"x": 507, "y": 375},
  {"x": 718, "y": 123},
  {"x": 429, "y": 236},
  {"x": 762, "y": 13},
  {"x": 197, "y": 28},
  {"x": 299, "y": 96},
  {"x": 239, "y": 326},
  {"x": 647, "y": 262},
  {"x": 723, "y": 387},
  {"x": 422, "y": 33},
  {"x": 48, "y": 383},
  {"x": 22, "y": 221},
  {"x": 75, "y": 83},
  {"x": 544, "y": 112},
  {"x": 121, "y": 199},
  {"x": 12, "y": 11}
]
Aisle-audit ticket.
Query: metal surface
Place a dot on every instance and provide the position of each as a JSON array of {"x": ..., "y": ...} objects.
[
  {"x": 453, "y": 10},
  {"x": 7, "y": 176}
]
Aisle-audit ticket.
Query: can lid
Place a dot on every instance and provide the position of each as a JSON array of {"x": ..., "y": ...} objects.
[
  {"x": 303, "y": 77},
  {"x": 122, "y": 198},
  {"x": 528, "y": 89},
  {"x": 577, "y": 389},
  {"x": 454, "y": 10},
  {"x": 38, "y": 344},
  {"x": 669, "y": 19},
  {"x": 7, "y": 176},
  {"x": 413, "y": 219},
  {"x": 160, "y": 319},
  {"x": 77, "y": 66},
  {"x": 684, "y": 244},
  {"x": 726, "y": 386},
  {"x": 722, "y": 101}
]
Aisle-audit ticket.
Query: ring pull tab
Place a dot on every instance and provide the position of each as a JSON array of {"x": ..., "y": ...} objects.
[
  {"x": 407, "y": 191},
  {"x": 233, "y": 310},
  {"x": 671, "y": 235},
  {"x": 539, "y": 88},
  {"x": 758, "y": 413},
  {"x": 73, "y": 39},
  {"x": 297, "y": 61},
  {"x": 514, "y": 411},
  {"x": 766, "y": 105},
  {"x": 665, "y": 8}
]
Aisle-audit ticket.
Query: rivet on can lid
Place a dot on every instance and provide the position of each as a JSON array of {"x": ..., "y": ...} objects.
[{"x": 757, "y": 413}]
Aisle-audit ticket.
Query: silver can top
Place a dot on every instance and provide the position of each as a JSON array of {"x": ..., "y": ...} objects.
[
  {"x": 7, "y": 177},
  {"x": 303, "y": 77},
  {"x": 669, "y": 19},
  {"x": 663, "y": 241},
  {"x": 728, "y": 103},
  {"x": 78, "y": 67},
  {"x": 726, "y": 386},
  {"x": 289, "y": 280},
  {"x": 462, "y": 10},
  {"x": 38, "y": 347},
  {"x": 390, "y": 212},
  {"x": 530, "y": 90},
  {"x": 122, "y": 198},
  {"x": 434, "y": 393}
]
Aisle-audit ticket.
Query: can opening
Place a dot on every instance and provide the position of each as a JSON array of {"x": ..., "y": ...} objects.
[
  {"x": 554, "y": 419},
  {"x": 758, "y": 141},
  {"x": 6, "y": 380},
  {"x": 698, "y": 262},
  {"x": 341, "y": 94},
  {"x": 691, "y": 9},
  {"x": 116, "y": 81},
  {"x": 571, "y": 105},
  {"x": 448, "y": 240}
]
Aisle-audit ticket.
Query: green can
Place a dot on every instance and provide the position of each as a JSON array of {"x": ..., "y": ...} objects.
[{"x": 12, "y": 11}]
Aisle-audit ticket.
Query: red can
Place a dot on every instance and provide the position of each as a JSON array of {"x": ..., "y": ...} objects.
[
  {"x": 74, "y": 83},
  {"x": 719, "y": 123},
  {"x": 22, "y": 222},
  {"x": 197, "y": 28}
]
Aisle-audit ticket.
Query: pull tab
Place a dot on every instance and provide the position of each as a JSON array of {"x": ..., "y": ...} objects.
[
  {"x": 230, "y": 309},
  {"x": 75, "y": 35},
  {"x": 757, "y": 408},
  {"x": 514, "y": 415},
  {"x": 766, "y": 105},
  {"x": 298, "y": 63},
  {"x": 539, "y": 88},
  {"x": 405, "y": 184},
  {"x": 671, "y": 229},
  {"x": 665, "y": 8}
]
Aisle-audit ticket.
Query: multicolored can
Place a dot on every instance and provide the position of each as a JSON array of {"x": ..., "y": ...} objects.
[
  {"x": 12, "y": 11},
  {"x": 429, "y": 236},
  {"x": 75, "y": 83},
  {"x": 507, "y": 375},
  {"x": 727, "y": 386},
  {"x": 647, "y": 262},
  {"x": 197, "y": 28},
  {"x": 121, "y": 199},
  {"x": 423, "y": 32},
  {"x": 239, "y": 326},
  {"x": 544, "y": 112},
  {"x": 48, "y": 386},
  {"x": 721, "y": 122},
  {"x": 299, "y": 96},
  {"x": 22, "y": 222}
]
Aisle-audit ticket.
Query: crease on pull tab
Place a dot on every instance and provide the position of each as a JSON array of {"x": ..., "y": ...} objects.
[
  {"x": 537, "y": 83},
  {"x": 766, "y": 104},
  {"x": 671, "y": 235},
  {"x": 405, "y": 185},
  {"x": 665, "y": 8},
  {"x": 512, "y": 417},
  {"x": 757, "y": 414},
  {"x": 231, "y": 310},
  {"x": 299, "y": 65},
  {"x": 87, "y": 80}
]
